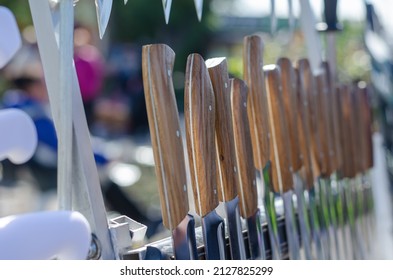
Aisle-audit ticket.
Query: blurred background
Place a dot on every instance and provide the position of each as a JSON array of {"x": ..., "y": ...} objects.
[{"x": 109, "y": 72}]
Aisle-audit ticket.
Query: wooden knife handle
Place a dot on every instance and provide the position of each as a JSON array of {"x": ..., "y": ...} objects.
[
  {"x": 248, "y": 195},
  {"x": 281, "y": 165},
  {"x": 347, "y": 131},
  {"x": 289, "y": 91},
  {"x": 366, "y": 114},
  {"x": 257, "y": 110},
  {"x": 157, "y": 66},
  {"x": 225, "y": 147},
  {"x": 304, "y": 132},
  {"x": 307, "y": 84},
  {"x": 322, "y": 123},
  {"x": 336, "y": 155},
  {"x": 200, "y": 119}
]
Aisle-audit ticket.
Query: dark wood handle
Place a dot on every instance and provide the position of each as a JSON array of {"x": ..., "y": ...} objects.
[
  {"x": 310, "y": 162},
  {"x": 257, "y": 110},
  {"x": 366, "y": 114},
  {"x": 199, "y": 114},
  {"x": 225, "y": 147},
  {"x": 322, "y": 123},
  {"x": 281, "y": 165},
  {"x": 157, "y": 66},
  {"x": 248, "y": 195},
  {"x": 289, "y": 91},
  {"x": 335, "y": 155},
  {"x": 347, "y": 131},
  {"x": 308, "y": 83}
]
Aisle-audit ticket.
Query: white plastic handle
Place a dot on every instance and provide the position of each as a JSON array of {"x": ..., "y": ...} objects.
[
  {"x": 18, "y": 140},
  {"x": 63, "y": 235},
  {"x": 10, "y": 40}
]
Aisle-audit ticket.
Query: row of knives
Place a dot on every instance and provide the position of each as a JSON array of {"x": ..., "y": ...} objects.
[{"x": 285, "y": 151}]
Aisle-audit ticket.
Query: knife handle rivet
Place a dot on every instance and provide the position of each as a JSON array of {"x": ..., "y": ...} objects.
[
  {"x": 169, "y": 72},
  {"x": 185, "y": 188},
  {"x": 254, "y": 183},
  {"x": 177, "y": 133},
  {"x": 210, "y": 107},
  {"x": 245, "y": 105},
  {"x": 235, "y": 169},
  {"x": 226, "y": 85}
]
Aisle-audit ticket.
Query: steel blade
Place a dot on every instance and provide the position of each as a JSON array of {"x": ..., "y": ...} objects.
[
  {"x": 184, "y": 241},
  {"x": 199, "y": 8},
  {"x": 103, "y": 9},
  {"x": 315, "y": 225},
  {"x": 236, "y": 241},
  {"x": 167, "y": 4},
  {"x": 290, "y": 226},
  {"x": 255, "y": 237},
  {"x": 214, "y": 236}
]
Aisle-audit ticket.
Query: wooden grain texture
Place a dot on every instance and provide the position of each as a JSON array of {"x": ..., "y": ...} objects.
[
  {"x": 307, "y": 83},
  {"x": 324, "y": 133},
  {"x": 357, "y": 130},
  {"x": 226, "y": 159},
  {"x": 366, "y": 113},
  {"x": 157, "y": 66},
  {"x": 304, "y": 130},
  {"x": 281, "y": 165},
  {"x": 347, "y": 131},
  {"x": 335, "y": 155},
  {"x": 257, "y": 110},
  {"x": 199, "y": 112},
  {"x": 248, "y": 195},
  {"x": 289, "y": 92}
]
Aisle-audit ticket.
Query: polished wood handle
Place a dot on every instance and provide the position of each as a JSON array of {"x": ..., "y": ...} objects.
[
  {"x": 225, "y": 147},
  {"x": 306, "y": 145},
  {"x": 307, "y": 83},
  {"x": 281, "y": 165},
  {"x": 333, "y": 121},
  {"x": 248, "y": 195},
  {"x": 322, "y": 123},
  {"x": 366, "y": 114},
  {"x": 347, "y": 131},
  {"x": 199, "y": 115},
  {"x": 289, "y": 92},
  {"x": 157, "y": 66},
  {"x": 257, "y": 110}
]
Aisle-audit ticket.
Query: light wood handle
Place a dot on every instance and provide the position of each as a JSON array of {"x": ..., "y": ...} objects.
[
  {"x": 281, "y": 165},
  {"x": 199, "y": 114},
  {"x": 304, "y": 129},
  {"x": 366, "y": 114},
  {"x": 248, "y": 195},
  {"x": 157, "y": 66},
  {"x": 289, "y": 91},
  {"x": 307, "y": 83},
  {"x": 335, "y": 155},
  {"x": 225, "y": 147},
  {"x": 257, "y": 110}
]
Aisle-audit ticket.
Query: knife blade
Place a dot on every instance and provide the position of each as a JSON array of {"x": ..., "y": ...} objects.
[
  {"x": 157, "y": 67},
  {"x": 259, "y": 128},
  {"x": 289, "y": 92},
  {"x": 226, "y": 160},
  {"x": 200, "y": 113},
  {"x": 167, "y": 4},
  {"x": 248, "y": 195},
  {"x": 281, "y": 165},
  {"x": 103, "y": 10},
  {"x": 199, "y": 8}
]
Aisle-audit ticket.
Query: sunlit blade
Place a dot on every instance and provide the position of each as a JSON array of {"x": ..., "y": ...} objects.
[
  {"x": 103, "y": 8},
  {"x": 199, "y": 8},
  {"x": 10, "y": 33},
  {"x": 167, "y": 9}
]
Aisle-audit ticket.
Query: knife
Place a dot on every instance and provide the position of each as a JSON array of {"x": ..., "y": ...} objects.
[
  {"x": 103, "y": 9},
  {"x": 226, "y": 159},
  {"x": 259, "y": 128},
  {"x": 167, "y": 4},
  {"x": 312, "y": 168},
  {"x": 281, "y": 165},
  {"x": 199, "y": 8},
  {"x": 157, "y": 67},
  {"x": 325, "y": 133},
  {"x": 248, "y": 195},
  {"x": 200, "y": 113},
  {"x": 289, "y": 92}
]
